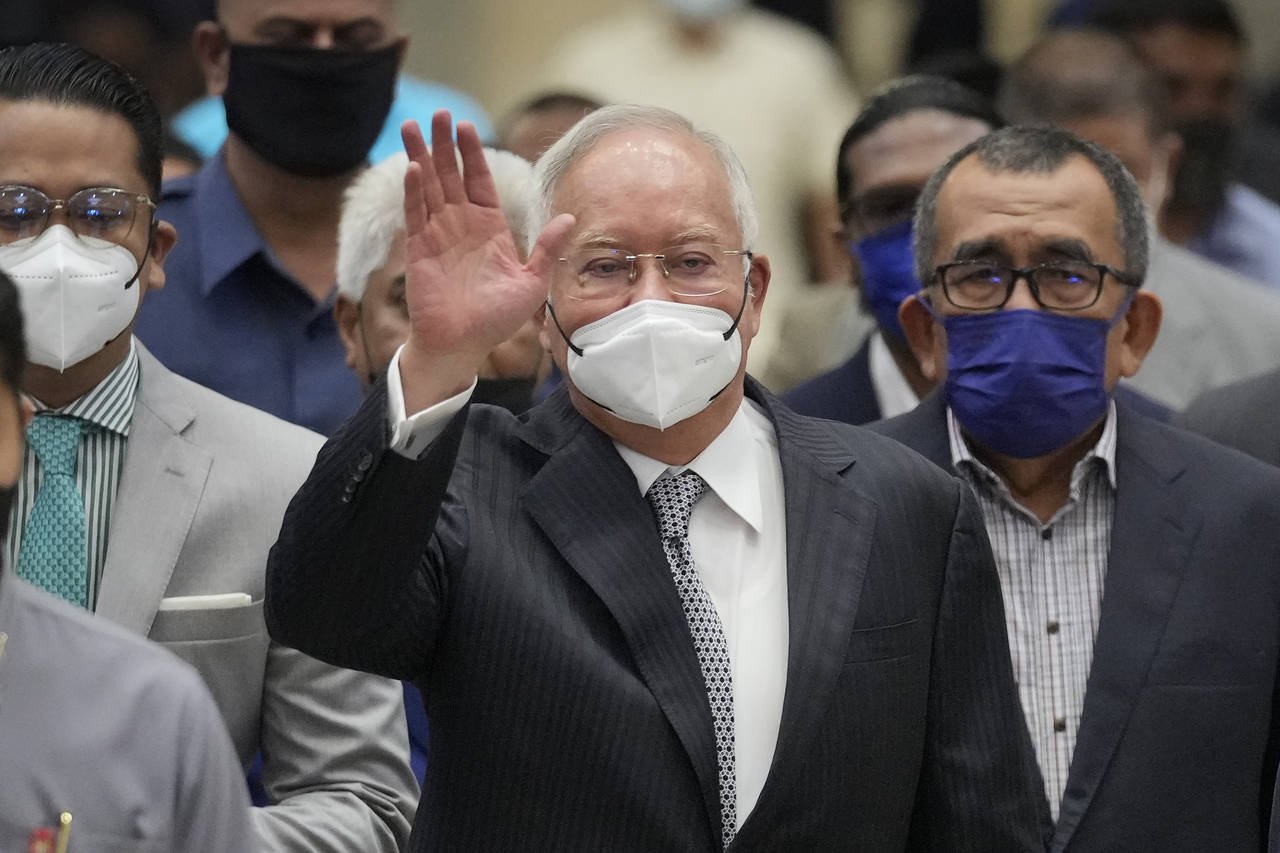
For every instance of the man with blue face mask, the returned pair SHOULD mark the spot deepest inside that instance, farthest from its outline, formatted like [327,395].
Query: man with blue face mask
[907,130]
[1138,562]
[658,611]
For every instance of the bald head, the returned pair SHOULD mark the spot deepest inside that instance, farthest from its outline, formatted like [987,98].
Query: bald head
[1079,75]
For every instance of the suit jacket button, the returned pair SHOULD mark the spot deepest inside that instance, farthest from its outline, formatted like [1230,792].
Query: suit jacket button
[366,462]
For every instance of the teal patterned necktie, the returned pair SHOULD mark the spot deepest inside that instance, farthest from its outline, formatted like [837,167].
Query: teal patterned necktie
[53,555]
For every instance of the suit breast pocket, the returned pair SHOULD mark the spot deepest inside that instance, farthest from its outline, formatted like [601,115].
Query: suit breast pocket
[886,642]
[228,647]
[214,624]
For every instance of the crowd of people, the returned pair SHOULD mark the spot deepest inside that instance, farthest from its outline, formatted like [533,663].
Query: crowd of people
[689,460]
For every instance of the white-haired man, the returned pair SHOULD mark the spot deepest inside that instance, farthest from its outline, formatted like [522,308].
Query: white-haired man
[629,634]
[371,313]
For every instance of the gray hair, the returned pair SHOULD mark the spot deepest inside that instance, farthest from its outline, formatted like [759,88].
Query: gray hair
[595,126]
[373,213]
[1040,151]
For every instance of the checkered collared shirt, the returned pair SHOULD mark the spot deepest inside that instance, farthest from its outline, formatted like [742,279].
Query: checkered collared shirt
[1052,577]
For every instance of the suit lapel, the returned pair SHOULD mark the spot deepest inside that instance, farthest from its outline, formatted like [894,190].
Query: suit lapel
[1151,538]
[160,488]
[829,533]
[586,500]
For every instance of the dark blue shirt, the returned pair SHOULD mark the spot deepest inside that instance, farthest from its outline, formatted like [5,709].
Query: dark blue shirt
[231,318]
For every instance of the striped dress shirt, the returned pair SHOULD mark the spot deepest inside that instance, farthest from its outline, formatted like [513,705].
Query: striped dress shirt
[1052,577]
[108,408]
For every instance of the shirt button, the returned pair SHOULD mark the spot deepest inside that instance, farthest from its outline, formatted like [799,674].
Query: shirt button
[1059,724]
[1052,626]
[1046,534]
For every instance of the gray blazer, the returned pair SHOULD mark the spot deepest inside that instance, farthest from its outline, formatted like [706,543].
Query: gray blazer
[204,487]
[107,727]
[1219,327]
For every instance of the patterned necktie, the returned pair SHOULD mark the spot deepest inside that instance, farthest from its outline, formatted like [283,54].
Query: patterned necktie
[53,553]
[672,499]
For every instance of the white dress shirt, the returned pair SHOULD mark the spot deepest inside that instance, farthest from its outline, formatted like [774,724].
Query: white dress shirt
[893,393]
[738,535]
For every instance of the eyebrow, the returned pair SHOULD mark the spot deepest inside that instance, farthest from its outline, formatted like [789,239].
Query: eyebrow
[1076,250]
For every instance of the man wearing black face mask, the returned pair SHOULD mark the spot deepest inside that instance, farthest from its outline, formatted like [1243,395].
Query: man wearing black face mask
[1142,699]
[306,85]
[1197,49]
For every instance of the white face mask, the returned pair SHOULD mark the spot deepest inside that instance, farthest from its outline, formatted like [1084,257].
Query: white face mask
[655,363]
[76,297]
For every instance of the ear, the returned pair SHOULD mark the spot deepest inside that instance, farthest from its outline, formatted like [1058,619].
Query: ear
[545,331]
[1141,325]
[402,50]
[758,276]
[26,411]
[926,337]
[162,242]
[212,48]
[346,314]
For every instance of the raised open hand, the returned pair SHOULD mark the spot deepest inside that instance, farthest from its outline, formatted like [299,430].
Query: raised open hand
[466,289]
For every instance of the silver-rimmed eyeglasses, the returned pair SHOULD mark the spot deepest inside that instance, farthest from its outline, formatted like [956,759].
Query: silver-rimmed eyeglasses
[690,269]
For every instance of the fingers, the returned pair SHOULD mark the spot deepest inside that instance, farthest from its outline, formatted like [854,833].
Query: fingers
[415,206]
[477,180]
[551,244]
[445,158]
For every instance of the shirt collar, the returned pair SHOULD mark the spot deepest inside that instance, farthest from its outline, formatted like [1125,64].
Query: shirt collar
[962,458]
[894,394]
[228,236]
[730,464]
[110,403]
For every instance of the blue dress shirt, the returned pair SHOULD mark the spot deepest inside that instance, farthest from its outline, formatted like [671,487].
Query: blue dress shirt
[232,319]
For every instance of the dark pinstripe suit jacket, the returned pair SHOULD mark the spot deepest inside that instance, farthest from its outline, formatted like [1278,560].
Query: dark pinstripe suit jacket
[1180,729]
[514,572]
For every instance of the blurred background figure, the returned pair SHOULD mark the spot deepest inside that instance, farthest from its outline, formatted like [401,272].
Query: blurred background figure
[907,130]
[1197,50]
[534,126]
[775,91]
[307,86]
[1218,326]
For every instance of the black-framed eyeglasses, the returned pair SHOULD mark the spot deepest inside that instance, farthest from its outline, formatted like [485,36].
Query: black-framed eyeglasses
[690,269]
[1060,285]
[104,214]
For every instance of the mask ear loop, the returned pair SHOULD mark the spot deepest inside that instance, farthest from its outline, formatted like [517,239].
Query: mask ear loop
[151,237]
[742,307]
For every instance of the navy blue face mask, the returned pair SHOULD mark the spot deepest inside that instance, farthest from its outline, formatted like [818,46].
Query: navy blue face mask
[888,273]
[1025,383]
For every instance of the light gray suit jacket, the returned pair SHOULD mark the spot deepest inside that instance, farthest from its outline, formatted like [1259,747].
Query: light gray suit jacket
[1219,327]
[107,727]
[203,490]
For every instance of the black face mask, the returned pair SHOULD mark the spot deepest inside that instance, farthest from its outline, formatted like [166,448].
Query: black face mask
[311,112]
[1205,171]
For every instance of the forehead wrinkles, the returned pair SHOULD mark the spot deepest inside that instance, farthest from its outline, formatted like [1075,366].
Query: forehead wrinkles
[648,178]
[1072,201]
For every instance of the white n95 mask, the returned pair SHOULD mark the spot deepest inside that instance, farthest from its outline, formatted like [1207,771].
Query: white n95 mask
[76,297]
[655,363]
